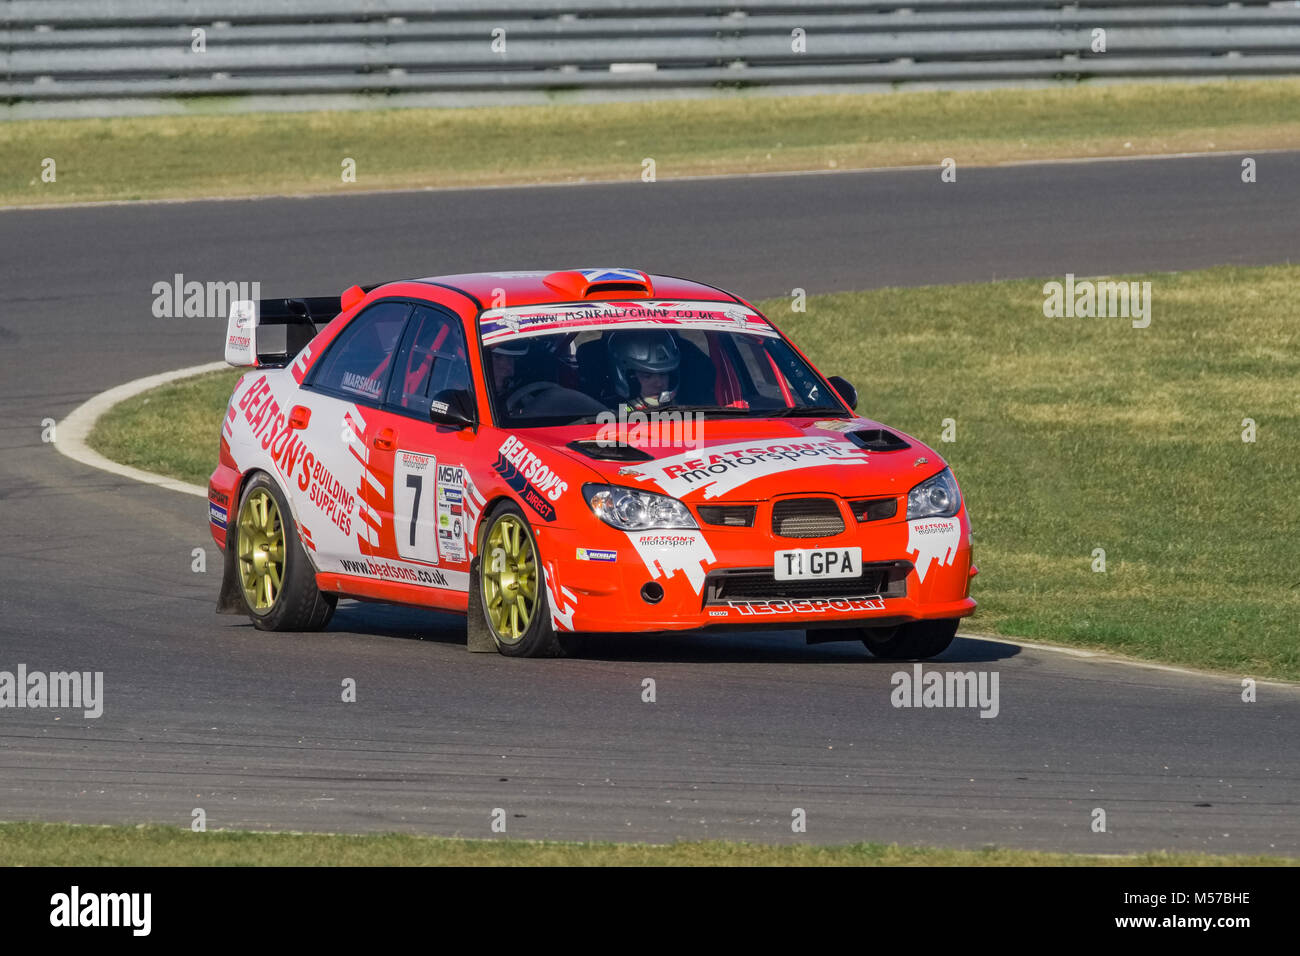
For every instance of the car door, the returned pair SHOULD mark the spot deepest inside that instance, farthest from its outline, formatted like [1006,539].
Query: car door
[340,488]
[428,474]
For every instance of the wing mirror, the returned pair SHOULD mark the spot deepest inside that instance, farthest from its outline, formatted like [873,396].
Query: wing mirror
[452,407]
[846,391]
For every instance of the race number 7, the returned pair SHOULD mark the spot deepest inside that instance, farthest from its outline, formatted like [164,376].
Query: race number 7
[415,524]
[416,482]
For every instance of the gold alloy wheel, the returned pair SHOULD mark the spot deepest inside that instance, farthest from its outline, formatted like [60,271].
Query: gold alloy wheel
[509,569]
[261,550]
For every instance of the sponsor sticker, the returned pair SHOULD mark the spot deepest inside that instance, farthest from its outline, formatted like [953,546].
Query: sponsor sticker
[720,468]
[523,321]
[362,384]
[668,553]
[451,497]
[839,425]
[931,540]
[810,605]
[217,514]
[413,507]
[595,554]
[529,477]
[388,571]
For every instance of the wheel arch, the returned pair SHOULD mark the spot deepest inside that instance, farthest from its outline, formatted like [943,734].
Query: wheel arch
[230,599]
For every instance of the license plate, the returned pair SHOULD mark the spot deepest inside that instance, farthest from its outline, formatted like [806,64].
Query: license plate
[805,564]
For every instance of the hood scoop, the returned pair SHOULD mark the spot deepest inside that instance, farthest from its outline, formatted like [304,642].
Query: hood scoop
[605,451]
[877,439]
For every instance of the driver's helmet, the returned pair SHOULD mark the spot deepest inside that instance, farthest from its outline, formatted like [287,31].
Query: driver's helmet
[644,350]
[515,350]
[513,347]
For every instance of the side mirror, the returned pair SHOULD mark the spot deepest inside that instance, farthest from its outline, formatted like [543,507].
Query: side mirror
[452,407]
[847,391]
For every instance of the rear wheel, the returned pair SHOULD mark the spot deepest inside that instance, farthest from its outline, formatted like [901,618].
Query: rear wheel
[911,641]
[276,579]
[511,589]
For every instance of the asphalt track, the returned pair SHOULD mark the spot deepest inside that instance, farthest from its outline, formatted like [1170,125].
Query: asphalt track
[203,711]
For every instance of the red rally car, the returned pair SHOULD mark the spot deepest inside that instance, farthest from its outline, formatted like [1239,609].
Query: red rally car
[590,450]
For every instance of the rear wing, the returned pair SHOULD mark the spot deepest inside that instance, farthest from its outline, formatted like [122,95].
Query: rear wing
[267,333]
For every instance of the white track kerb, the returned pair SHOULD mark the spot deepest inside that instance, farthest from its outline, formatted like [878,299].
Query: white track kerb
[71,433]
[75,429]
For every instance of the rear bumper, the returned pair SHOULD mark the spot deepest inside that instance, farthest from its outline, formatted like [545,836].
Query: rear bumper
[223,502]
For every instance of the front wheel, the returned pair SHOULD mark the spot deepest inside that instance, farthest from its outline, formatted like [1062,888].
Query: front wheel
[511,587]
[275,577]
[914,640]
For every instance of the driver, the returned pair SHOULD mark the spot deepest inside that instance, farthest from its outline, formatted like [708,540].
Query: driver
[504,359]
[645,363]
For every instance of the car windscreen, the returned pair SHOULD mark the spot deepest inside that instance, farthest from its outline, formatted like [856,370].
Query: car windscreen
[576,375]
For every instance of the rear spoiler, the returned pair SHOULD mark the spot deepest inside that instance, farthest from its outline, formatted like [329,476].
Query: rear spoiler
[268,333]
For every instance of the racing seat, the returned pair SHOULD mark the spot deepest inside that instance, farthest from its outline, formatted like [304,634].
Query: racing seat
[593,370]
[695,375]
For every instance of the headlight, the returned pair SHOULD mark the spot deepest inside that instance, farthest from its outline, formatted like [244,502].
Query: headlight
[630,510]
[936,498]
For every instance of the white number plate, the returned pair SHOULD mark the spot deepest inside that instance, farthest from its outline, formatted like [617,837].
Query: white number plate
[802,564]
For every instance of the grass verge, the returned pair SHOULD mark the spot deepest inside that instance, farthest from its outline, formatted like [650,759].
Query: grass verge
[1071,435]
[286,153]
[57,844]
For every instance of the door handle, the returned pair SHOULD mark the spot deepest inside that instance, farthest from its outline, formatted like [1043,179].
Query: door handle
[386,440]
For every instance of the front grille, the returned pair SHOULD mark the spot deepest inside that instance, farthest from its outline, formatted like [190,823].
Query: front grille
[806,518]
[734,516]
[887,579]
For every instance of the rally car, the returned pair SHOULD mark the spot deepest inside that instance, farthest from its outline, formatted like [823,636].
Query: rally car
[587,450]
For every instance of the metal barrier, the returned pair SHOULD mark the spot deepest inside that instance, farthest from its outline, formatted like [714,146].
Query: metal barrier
[124,51]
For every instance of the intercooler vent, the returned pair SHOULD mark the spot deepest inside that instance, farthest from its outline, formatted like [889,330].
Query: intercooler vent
[731,516]
[878,439]
[609,451]
[874,509]
[806,518]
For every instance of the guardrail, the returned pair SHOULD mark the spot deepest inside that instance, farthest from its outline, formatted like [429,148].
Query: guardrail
[116,52]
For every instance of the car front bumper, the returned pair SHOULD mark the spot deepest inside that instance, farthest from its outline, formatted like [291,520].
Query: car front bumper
[605,580]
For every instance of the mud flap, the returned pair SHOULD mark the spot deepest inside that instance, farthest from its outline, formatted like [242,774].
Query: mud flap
[478,637]
[231,598]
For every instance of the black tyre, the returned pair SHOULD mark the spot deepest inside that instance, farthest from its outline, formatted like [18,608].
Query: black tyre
[276,580]
[915,640]
[510,606]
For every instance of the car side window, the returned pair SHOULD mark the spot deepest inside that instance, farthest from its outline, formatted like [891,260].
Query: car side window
[359,360]
[432,359]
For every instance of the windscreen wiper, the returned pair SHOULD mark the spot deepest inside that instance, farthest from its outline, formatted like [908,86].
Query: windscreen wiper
[808,410]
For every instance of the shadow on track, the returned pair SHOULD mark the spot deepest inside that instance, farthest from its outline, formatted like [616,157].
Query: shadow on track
[768,647]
